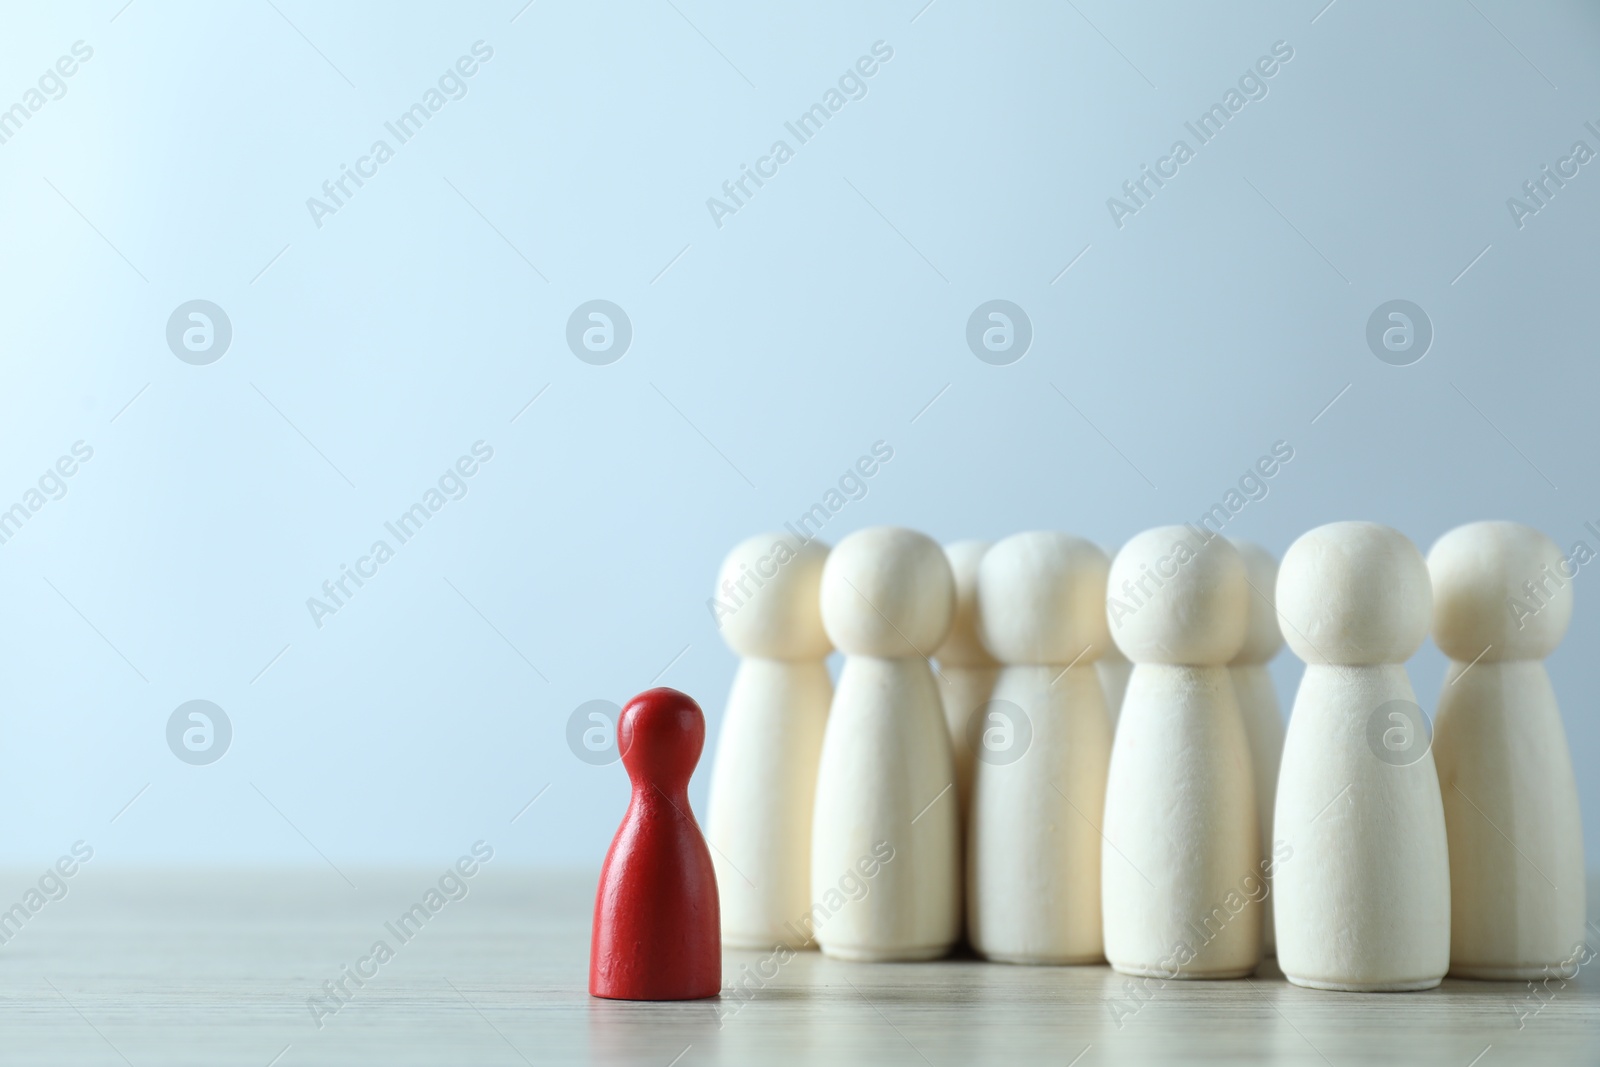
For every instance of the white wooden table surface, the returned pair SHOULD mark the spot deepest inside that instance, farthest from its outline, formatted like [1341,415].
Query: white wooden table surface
[215,968]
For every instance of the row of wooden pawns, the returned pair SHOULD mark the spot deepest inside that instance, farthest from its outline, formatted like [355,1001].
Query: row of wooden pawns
[1139,814]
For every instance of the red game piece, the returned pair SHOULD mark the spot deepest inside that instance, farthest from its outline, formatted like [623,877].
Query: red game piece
[657,922]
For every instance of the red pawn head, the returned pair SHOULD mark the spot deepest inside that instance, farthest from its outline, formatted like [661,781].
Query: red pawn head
[657,925]
[660,734]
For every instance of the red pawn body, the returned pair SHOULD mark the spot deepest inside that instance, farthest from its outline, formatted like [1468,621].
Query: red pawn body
[657,921]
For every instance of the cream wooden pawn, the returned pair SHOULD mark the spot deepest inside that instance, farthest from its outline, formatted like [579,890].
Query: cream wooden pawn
[886,782]
[1180,868]
[1363,879]
[1043,745]
[964,663]
[1258,703]
[764,776]
[1502,599]
[1114,671]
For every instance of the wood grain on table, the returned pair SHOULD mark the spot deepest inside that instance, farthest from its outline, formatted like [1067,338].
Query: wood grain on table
[176,967]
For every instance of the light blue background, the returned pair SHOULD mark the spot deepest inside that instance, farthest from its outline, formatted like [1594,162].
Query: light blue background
[824,316]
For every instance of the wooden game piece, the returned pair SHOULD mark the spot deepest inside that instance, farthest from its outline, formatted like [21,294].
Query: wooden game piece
[964,663]
[656,918]
[1362,886]
[764,777]
[1258,703]
[1180,870]
[1039,781]
[1502,598]
[886,782]
[1114,671]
